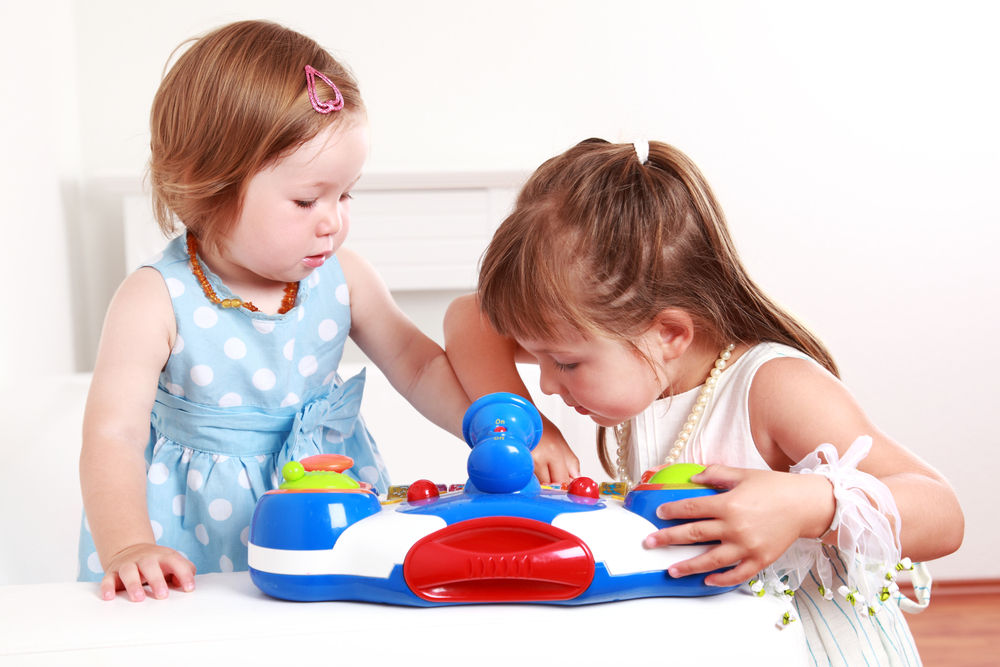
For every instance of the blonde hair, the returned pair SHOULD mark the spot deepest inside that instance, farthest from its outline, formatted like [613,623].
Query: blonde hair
[600,243]
[232,104]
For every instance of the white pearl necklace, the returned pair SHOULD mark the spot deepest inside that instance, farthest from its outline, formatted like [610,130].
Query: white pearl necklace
[622,432]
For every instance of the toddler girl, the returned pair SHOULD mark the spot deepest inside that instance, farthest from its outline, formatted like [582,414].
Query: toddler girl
[617,275]
[218,361]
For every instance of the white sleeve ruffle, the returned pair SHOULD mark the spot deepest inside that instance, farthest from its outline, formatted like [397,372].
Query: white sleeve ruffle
[866,537]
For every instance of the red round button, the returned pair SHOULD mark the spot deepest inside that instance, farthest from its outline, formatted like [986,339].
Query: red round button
[422,489]
[585,487]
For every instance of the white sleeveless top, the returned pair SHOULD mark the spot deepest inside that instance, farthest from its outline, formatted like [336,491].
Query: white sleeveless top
[836,633]
[723,434]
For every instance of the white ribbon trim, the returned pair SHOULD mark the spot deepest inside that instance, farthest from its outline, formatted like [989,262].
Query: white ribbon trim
[866,537]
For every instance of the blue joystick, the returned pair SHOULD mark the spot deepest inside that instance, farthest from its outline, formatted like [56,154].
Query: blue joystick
[502,429]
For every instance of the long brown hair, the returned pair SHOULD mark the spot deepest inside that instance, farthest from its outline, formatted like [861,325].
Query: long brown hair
[232,104]
[601,243]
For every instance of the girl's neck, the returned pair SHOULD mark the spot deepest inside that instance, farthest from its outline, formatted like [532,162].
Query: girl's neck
[690,370]
[264,293]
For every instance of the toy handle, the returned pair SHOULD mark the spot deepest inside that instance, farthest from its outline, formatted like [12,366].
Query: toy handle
[502,415]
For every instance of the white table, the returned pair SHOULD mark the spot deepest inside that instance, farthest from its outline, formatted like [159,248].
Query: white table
[226,620]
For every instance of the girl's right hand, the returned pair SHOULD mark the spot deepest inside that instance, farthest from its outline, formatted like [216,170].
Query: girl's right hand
[555,462]
[147,564]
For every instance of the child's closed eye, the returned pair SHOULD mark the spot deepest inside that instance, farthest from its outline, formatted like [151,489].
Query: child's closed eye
[305,203]
[564,367]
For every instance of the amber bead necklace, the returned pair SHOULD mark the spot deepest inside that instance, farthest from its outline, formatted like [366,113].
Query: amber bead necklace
[287,301]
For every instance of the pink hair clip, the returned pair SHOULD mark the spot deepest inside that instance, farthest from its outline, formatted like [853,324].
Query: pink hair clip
[335,104]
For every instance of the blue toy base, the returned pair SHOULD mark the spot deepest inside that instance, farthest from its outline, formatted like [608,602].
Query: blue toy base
[501,539]
[605,588]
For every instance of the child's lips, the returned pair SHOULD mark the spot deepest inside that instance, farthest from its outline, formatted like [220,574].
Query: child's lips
[314,261]
[582,410]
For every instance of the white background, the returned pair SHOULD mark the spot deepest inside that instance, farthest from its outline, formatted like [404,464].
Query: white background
[853,146]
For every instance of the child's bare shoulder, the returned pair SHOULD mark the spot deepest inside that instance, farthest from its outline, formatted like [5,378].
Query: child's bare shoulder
[798,404]
[141,309]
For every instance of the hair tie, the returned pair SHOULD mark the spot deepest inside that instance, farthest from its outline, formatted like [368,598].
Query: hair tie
[336,104]
[642,150]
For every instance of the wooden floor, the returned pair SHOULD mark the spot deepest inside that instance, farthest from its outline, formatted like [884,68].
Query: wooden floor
[961,627]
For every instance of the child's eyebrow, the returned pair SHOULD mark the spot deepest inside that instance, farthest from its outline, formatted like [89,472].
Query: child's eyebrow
[320,183]
[547,350]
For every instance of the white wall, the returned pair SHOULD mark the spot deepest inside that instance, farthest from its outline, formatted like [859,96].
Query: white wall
[854,147]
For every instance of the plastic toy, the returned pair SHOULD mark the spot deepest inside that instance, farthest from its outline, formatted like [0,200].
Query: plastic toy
[502,538]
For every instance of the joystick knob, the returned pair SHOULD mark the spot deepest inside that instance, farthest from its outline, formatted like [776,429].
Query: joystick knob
[502,429]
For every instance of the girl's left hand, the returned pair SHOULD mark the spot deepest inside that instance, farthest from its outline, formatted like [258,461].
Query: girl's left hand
[756,520]
[555,462]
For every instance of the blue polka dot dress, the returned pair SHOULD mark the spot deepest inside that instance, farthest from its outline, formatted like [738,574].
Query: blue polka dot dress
[242,394]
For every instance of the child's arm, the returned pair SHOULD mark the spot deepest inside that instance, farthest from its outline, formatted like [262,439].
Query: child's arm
[794,407]
[485,362]
[415,365]
[138,335]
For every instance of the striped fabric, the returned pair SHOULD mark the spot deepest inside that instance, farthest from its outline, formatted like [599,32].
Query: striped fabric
[838,634]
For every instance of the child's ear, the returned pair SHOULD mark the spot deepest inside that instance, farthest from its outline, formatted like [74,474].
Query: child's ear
[673,331]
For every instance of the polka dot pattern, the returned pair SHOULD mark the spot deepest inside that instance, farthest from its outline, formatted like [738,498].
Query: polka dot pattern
[220,354]
[205,317]
[94,563]
[264,379]
[263,326]
[235,348]
[202,375]
[308,365]
[158,473]
[157,530]
[233,362]
[174,287]
[327,330]
[220,509]
[230,400]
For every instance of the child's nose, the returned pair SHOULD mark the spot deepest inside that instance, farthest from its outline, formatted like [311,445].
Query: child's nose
[329,224]
[548,383]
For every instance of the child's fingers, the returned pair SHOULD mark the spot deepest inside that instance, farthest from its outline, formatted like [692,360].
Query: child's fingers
[695,532]
[109,584]
[132,582]
[151,572]
[721,556]
[745,571]
[720,476]
[705,530]
[542,472]
[182,570]
[704,507]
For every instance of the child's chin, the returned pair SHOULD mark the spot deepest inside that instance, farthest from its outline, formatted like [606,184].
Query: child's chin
[601,420]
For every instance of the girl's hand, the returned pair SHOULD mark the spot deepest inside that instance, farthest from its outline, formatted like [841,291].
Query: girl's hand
[147,564]
[555,462]
[756,521]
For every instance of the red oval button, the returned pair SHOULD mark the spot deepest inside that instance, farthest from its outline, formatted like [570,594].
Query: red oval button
[499,559]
